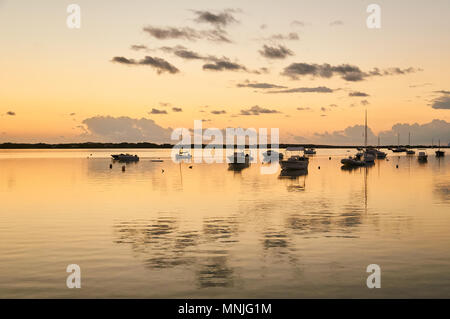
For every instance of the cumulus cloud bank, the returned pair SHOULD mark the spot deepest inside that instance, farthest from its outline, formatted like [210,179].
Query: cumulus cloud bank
[420,134]
[124,129]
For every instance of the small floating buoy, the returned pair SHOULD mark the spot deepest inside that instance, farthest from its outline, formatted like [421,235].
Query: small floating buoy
[162,171]
[329,158]
[110,165]
[190,167]
[123,168]
[319,167]
[396,166]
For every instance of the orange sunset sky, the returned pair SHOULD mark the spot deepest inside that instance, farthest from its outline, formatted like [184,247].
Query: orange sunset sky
[135,69]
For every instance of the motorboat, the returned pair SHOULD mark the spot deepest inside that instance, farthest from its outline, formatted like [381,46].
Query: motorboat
[376,153]
[422,157]
[352,162]
[295,162]
[125,157]
[368,157]
[239,158]
[238,161]
[399,149]
[269,155]
[310,151]
[183,155]
[380,154]
[410,152]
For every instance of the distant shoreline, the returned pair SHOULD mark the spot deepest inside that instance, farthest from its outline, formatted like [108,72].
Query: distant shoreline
[91,145]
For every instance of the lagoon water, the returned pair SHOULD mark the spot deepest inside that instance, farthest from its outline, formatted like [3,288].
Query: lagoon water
[208,232]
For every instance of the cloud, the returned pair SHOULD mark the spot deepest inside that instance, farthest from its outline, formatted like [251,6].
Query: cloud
[336,22]
[159,64]
[124,129]
[358,94]
[123,60]
[420,85]
[292,36]
[365,102]
[303,108]
[319,89]
[156,111]
[221,19]
[11,113]
[188,55]
[224,64]
[297,23]
[138,47]
[177,109]
[442,102]
[72,114]
[218,112]
[442,92]
[257,85]
[280,52]
[347,72]
[186,33]
[257,110]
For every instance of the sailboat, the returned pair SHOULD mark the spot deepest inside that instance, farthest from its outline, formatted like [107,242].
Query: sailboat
[440,153]
[398,149]
[376,151]
[410,151]
[368,155]
[361,158]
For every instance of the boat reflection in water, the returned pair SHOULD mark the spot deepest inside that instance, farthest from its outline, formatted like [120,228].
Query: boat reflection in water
[295,184]
[292,173]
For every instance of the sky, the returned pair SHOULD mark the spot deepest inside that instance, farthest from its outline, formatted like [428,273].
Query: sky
[135,70]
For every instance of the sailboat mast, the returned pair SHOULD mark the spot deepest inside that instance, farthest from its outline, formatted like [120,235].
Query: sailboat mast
[409,139]
[365,132]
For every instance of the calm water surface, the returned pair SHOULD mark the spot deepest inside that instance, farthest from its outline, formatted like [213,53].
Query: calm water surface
[210,232]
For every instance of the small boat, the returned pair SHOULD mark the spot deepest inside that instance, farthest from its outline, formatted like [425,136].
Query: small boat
[368,157]
[409,151]
[239,161]
[239,158]
[125,157]
[269,155]
[380,154]
[295,162]
[422,157]
[376,153]
[183,155]
[440,153]
[310,151]
[352,162]
[399,149]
